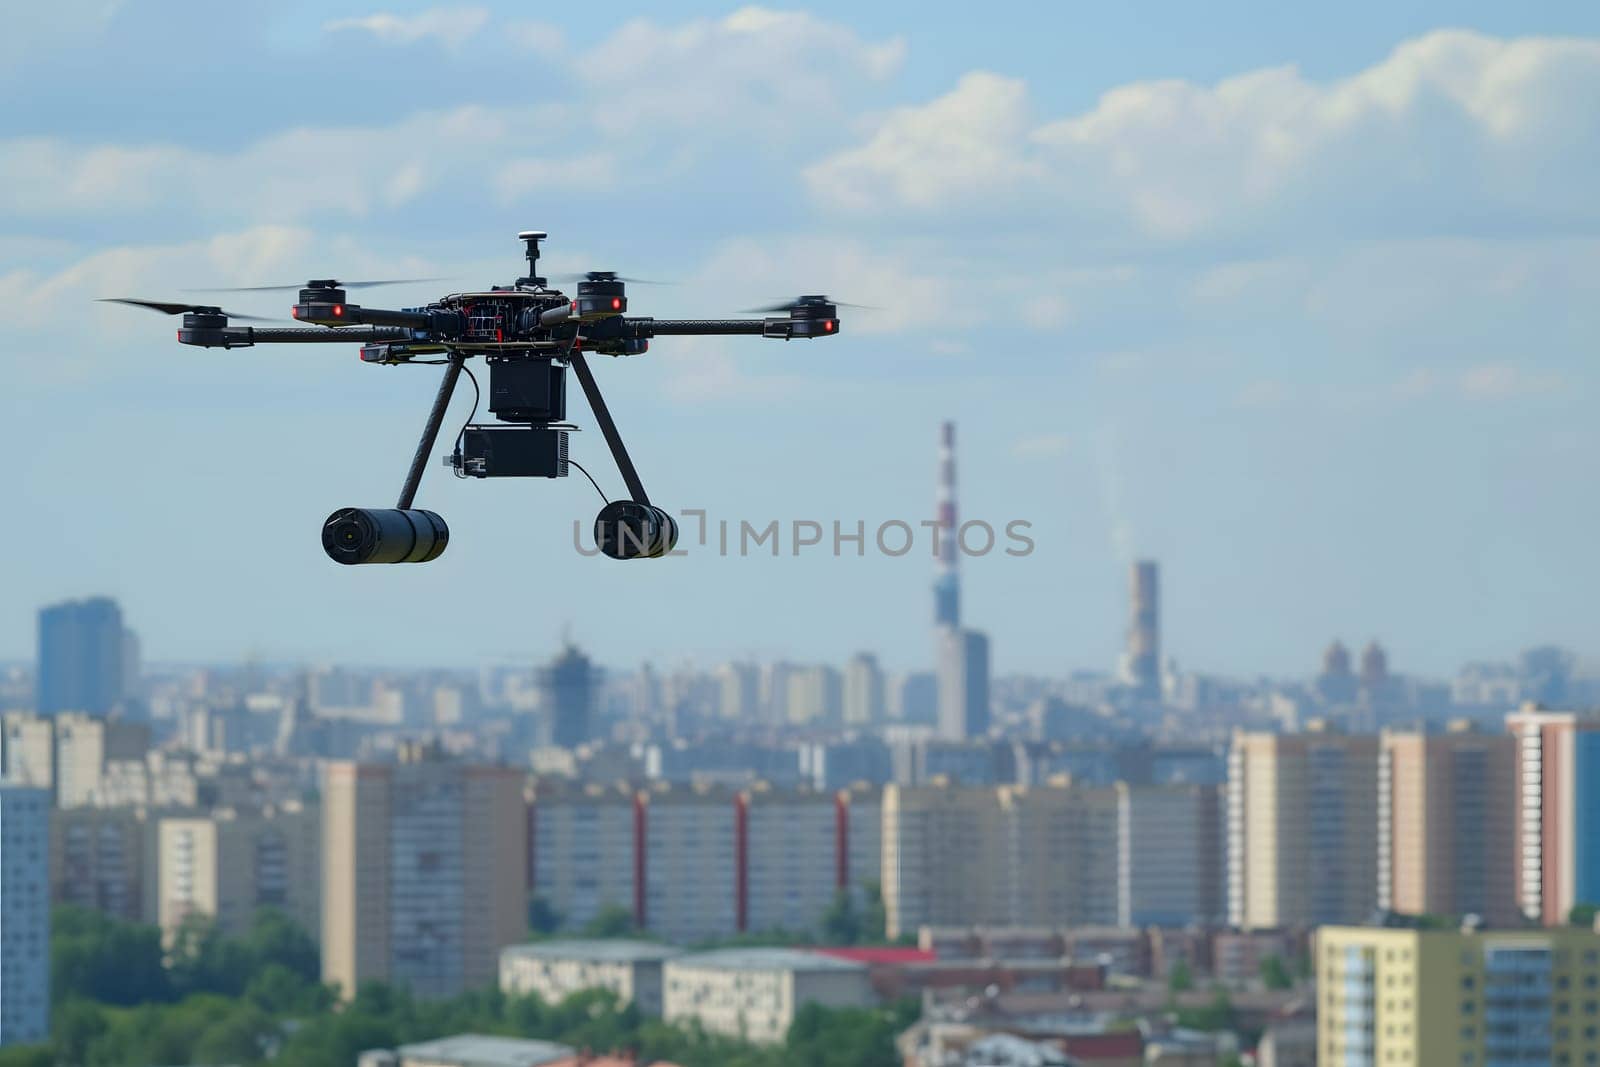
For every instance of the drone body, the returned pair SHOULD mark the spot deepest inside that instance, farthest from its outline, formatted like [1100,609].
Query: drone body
[530,335]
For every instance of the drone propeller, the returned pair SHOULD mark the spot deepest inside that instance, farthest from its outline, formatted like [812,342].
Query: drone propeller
[330,284]
[806,301]
[179,309]
[605,276]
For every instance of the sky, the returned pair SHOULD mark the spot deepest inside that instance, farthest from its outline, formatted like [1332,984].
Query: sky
[1305,304]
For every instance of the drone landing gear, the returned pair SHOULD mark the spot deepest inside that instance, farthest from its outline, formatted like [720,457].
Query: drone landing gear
[624,529]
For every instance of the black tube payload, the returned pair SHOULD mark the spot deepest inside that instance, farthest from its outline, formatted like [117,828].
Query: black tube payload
[384,535]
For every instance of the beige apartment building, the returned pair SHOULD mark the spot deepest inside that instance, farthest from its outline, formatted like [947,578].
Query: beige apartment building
[1008,855]
[1446,821]
[424,872]
[1302,821]
[230,863]
[105,859]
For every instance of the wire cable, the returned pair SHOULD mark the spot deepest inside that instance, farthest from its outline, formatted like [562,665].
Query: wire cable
[592,482]
[477,395]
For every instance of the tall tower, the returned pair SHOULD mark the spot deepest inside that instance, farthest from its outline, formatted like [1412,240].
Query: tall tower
[567,695]
[946,583]
[1142,666]
[82,645]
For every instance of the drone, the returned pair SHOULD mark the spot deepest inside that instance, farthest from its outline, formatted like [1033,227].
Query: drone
[529,334]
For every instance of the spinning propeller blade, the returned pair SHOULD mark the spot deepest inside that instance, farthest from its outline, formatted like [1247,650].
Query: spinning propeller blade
[302,285]
[179,309]
[805,301]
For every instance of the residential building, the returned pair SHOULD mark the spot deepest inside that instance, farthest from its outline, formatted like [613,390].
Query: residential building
[230,863]
[424,872]
[86,747]
[82,645]
[1557,830]
[957,855]
[1169,855]
[582,849]
[1470,996]
[30,750]
[1446,823]
[863,690]
[105,859]
[24,915]
[1302,822]
[554,970]
[753,993]
[472,1050]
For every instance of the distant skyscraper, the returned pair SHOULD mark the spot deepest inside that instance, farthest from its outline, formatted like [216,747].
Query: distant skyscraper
[1558,811]
[24,915]
[82,651]
[1337,683]
[863,690]
[567,697]
[1142,665]
[963,684]
[740,694]
[424,873]
[914,698]
[947,585]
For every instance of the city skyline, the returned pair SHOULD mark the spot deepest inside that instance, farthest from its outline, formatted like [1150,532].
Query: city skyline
[1345,404]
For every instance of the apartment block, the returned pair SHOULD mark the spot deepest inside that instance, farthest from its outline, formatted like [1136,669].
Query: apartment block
[1009,855]
[105,859]
[1169,855]
[230,863]
[1446,823]
[424,872]
[24,915]
[1557,806]
[1302,823]
[1425,997]
[583,858]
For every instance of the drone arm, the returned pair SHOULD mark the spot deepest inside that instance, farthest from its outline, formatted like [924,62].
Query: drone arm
[430,430]
[608,428]
[245,336]
[644,328]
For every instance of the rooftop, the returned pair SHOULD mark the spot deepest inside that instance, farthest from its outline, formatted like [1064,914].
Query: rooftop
[479,1050]
[766,959]
[618,951]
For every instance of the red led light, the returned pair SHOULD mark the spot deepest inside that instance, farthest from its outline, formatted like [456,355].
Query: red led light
[294,312]
[616,303]
[827,325]
[338,311]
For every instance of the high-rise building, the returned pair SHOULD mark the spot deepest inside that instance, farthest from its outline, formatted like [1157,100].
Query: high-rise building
[1337,683]
[963,684]
[1169,855]
[1142,660]
[815,695]
[1446,823]
[567,698]
[863,690]
[1302,822]
[30,750]
[914,698]
[86,747]
[1474,996]
[424,873]
[1021,856]
[741,691]
[947,582]
[1557,849]
[82,647]
[104,859]
[231,863]
[24,915]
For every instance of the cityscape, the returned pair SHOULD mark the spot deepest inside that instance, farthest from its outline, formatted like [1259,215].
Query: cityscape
[1117,866]
[813,534]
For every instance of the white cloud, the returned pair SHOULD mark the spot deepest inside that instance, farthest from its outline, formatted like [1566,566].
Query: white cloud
[1452,131]
[450,26]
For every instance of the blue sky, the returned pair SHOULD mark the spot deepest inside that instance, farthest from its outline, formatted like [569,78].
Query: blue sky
[1302,304]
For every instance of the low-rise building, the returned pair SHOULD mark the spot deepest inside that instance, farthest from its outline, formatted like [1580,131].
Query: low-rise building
[554,970]
[471,1050]
[754,993]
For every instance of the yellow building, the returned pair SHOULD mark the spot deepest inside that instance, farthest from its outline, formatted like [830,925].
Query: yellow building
[1436,997]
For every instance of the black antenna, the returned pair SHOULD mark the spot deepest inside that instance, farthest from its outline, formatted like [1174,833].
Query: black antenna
[532,238]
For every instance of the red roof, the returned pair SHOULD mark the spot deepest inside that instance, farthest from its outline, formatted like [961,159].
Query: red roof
[879,956]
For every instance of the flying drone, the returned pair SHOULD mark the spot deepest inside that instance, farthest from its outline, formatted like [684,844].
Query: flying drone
[529,334]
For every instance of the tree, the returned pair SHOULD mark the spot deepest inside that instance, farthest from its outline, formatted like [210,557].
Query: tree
[1180,979]
[875,921]
[98,958]
[1582,914]
[542,918]
[611,921]
[1274,975]
[840,923]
